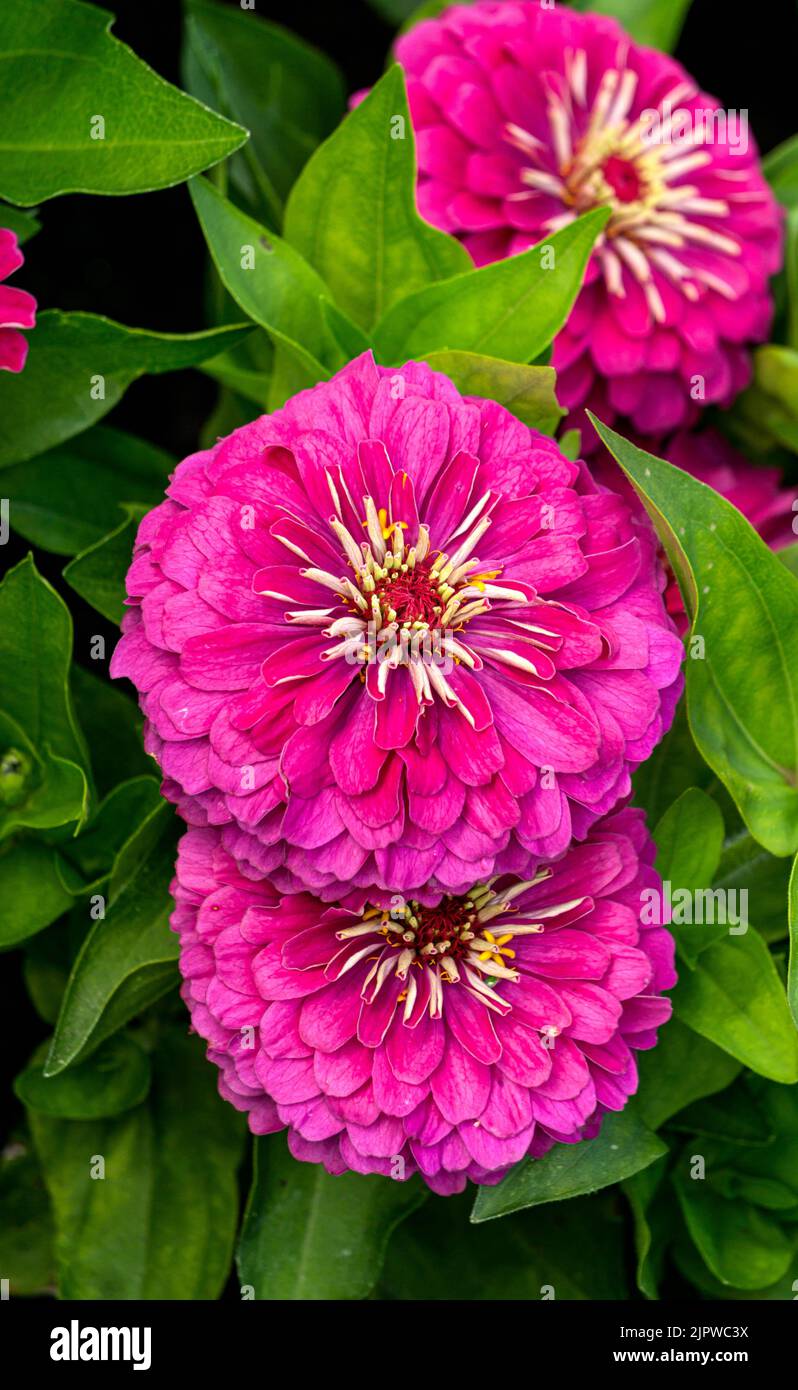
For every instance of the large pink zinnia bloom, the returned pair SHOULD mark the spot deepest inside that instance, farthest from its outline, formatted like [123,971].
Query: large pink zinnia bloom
[17,307]
[451,1040]
[390,638]
[526,117]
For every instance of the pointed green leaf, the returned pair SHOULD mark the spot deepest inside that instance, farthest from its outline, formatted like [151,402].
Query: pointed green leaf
[529,392]
[352,212]
[511,309]
[61,70]
[623,1147]
[744,604]
[307,1235]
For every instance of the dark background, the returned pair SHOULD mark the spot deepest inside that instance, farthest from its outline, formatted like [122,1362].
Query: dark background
[141,259]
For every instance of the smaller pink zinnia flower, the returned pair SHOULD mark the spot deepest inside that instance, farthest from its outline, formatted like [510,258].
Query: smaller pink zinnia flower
[451,1040]
[527,115]
[17,307]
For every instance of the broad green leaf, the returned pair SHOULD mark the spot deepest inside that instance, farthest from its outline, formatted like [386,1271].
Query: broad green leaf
[352,212]
[114,1079]
[252,385]
[692,1267]
[529,392]
[141,843]
[746,866]
[742,680]
[114,722]
[35,652]
[738,1242]
[127,961]
[689,839]
[682,1068]
[33,892]
[623,1147]
[307,1235]
[780,167]
[161,1222]
[62,72]
[288,94]
[38,791]
[655,23]
[648,1198]
[575,1249]
[69,498]
[735,998]
[511,309]
[792,973]
[91,857]
[731,1115]
[79,366]
[23,224]
[267,278]
[48,960]
[26,1225]
[98,574]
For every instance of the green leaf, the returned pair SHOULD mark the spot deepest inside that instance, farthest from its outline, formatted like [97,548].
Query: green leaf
[575,1249]
[743,713]
[745,865]
[95,852]
[307,1235]
[352,212]
[674,767]
[160,1224]
[655,23]
[98,574]
[115,724]
[682,1068]
[26,1226]
[127,961]
[33,892]
[689,839]
[650,1210]
[738,1242]
[780,167]
[152,134]
[69,498]
[267,278]
[287,94]
[113,1080]
[23,224]
[37,791]
[35,652]
[735,998]
[792,972]
[732,1116]
[623,1147]
[511,309]
[80,365]
[527,391]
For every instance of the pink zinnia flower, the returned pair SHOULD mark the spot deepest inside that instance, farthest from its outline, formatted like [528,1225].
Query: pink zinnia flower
[451,1040]
[527,116]
[17,307]
[391,638]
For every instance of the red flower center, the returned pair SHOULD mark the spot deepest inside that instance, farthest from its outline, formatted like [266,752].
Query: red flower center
[623,178]
[411,597]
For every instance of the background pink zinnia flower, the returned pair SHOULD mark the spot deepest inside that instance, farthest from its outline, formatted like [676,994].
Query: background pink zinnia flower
[17,307]
[526,117]
[451,1040]
[391,638]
